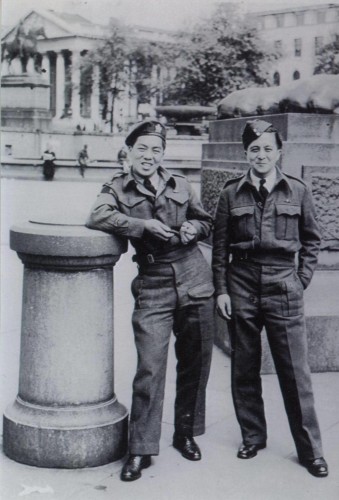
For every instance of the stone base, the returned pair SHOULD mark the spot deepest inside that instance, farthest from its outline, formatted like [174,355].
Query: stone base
[25,102]
[65,437]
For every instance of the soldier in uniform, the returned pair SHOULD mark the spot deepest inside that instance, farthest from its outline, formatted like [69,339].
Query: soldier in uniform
[163,219]
[264,219]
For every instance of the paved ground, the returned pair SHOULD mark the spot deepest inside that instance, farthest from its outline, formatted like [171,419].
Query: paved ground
[273,475]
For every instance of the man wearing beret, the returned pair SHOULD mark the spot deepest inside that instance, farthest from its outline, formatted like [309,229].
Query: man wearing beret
[163,219]
[264,220]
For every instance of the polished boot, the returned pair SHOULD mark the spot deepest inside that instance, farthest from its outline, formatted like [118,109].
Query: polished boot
[187,447]
[249,450]
[317,467]
[133,467]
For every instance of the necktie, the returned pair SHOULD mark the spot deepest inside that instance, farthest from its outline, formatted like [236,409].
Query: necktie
[262,190]
[148,185]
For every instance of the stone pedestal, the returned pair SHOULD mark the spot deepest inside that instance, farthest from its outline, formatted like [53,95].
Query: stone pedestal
[310,151]
[66,414]
[25,102]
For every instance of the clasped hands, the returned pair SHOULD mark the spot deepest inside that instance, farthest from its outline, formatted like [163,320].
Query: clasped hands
[187,231]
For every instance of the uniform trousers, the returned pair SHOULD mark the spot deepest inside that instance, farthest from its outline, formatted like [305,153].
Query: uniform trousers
[170,297]
[271,297]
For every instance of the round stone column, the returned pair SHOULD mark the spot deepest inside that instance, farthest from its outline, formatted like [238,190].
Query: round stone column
[66,413]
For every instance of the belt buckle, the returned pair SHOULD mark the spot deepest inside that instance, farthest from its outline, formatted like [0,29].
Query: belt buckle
[150,258]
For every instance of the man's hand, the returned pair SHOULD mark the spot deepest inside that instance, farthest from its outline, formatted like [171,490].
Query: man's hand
[187,233]
[224,306]
[158,229]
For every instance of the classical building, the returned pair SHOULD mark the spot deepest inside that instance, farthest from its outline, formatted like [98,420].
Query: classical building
[299,34]
[62,39]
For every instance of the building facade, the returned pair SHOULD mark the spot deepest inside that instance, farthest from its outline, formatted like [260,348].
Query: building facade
[62,41]
[298,34]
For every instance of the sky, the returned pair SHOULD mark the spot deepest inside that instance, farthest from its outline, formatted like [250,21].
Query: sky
[166,14]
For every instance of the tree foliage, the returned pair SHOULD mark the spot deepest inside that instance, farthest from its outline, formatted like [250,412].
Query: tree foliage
[125,62]
[221,54]
[328,60]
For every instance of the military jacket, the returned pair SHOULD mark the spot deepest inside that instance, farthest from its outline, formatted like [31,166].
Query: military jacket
[124,205]
[285,224]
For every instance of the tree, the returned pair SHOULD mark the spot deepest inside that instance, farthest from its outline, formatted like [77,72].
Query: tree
[126,62]
[220,55]
[328,60]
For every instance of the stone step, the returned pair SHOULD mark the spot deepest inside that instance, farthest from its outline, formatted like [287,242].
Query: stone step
[302,127]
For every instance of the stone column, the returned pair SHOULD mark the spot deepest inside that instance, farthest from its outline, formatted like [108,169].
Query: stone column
[60,85]
[95,105]
[76,61]
[30,67]
[154,84]
[66,414]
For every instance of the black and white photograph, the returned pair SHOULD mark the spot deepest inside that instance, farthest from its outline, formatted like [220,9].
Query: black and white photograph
[169,250]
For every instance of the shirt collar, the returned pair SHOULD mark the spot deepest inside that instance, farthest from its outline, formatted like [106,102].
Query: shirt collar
[280,177]
[270,179]
[163,173]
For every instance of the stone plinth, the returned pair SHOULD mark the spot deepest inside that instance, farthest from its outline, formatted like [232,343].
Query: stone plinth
[25,102]
[310,151]
[66,413]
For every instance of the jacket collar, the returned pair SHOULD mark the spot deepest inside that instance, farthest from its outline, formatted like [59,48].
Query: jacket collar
[281,178]
[164,174]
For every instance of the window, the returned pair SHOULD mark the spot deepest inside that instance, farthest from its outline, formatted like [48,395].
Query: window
[297,47]
[296,75]
[321,16]
[276,79]
[278,45]
[300,18]
[318,44]
[280,20]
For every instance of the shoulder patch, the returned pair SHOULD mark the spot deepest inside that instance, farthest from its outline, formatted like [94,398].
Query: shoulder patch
[106,189]
[296,179]
[233,181]
[117,174]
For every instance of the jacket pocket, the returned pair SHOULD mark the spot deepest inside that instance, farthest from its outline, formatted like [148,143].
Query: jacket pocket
[202,291]
[243,223]
[287,222]
[131,205]
[177,204]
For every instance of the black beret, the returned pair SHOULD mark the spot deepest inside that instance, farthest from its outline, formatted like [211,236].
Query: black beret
[253,130]
[146,127]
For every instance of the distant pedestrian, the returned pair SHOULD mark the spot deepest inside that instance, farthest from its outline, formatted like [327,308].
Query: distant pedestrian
[123,159]
[48,166]
[83,160]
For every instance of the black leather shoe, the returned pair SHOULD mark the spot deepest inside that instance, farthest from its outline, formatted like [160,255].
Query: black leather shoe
[187,446]
[317,467]
[133,467]
[249,450]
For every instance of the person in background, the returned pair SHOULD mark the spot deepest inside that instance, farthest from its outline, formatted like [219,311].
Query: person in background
[263,220]
[162,217]
[48,167]
[83,160]
[122,158]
